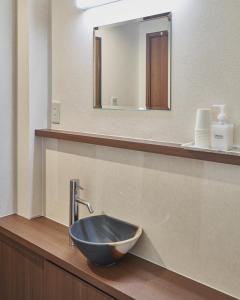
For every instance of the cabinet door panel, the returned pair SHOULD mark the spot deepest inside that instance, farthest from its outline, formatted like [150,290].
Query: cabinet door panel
[61,285]
[21,273]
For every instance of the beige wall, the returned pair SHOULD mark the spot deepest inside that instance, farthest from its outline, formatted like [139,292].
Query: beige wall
[189,210]
[33,26]
[7,107]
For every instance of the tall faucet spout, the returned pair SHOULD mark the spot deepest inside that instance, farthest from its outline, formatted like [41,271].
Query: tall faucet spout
[75,200]
[87,204]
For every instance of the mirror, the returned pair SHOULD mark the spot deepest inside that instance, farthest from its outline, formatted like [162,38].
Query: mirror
[132,64]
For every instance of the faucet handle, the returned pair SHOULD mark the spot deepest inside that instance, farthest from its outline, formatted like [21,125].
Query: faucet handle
[75,184]
[79,187]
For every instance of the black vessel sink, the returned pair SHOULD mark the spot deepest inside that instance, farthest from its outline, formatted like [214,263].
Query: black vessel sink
[104,240]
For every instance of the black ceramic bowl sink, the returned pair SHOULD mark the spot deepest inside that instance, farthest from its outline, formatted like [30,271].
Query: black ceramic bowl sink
[104,240]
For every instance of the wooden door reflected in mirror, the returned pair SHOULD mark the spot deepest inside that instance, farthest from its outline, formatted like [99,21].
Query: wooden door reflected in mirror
[98,72]
[132,64]
[157,70]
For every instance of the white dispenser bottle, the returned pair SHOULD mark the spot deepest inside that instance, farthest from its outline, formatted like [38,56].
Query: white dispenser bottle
[222,131]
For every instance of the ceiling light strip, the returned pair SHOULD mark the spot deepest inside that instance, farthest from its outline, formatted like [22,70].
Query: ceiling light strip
[86,4]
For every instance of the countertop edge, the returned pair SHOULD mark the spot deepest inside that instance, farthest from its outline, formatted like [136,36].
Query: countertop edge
[107,289]
[158,273]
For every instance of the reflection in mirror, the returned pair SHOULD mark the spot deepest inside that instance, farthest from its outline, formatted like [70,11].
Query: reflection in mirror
[132,64]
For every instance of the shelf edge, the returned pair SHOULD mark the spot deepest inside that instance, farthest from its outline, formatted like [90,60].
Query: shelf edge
[170,149]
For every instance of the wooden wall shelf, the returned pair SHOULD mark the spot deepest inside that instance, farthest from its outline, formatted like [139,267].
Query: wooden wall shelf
[170,149]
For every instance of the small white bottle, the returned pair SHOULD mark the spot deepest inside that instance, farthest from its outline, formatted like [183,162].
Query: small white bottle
[222,132]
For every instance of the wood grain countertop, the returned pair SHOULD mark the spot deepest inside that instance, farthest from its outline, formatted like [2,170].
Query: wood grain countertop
[132,278]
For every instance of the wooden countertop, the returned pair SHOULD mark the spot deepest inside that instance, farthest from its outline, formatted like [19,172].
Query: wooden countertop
[132,278]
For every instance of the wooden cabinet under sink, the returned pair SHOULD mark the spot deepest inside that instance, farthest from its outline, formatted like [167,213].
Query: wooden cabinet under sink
[27,276]
[21,273]
[61,285]
[37,263]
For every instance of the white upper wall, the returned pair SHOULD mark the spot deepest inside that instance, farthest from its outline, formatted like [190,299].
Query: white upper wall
[205,65]
[7,107]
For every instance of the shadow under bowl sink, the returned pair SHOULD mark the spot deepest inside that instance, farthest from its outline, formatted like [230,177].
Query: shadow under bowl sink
[104,240]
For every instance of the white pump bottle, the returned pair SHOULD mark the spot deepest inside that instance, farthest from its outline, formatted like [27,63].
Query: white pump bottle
[222,131]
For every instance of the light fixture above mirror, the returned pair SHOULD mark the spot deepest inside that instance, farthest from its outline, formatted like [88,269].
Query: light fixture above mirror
[86,4]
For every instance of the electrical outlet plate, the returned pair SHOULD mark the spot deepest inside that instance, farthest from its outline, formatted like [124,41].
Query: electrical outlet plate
[56,109]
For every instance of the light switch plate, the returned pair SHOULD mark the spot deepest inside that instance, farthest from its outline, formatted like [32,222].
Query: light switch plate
[56,112]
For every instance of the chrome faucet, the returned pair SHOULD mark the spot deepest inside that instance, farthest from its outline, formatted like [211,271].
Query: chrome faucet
[75,200]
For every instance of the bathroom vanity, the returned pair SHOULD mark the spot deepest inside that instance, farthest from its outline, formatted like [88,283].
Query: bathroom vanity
[37,262]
